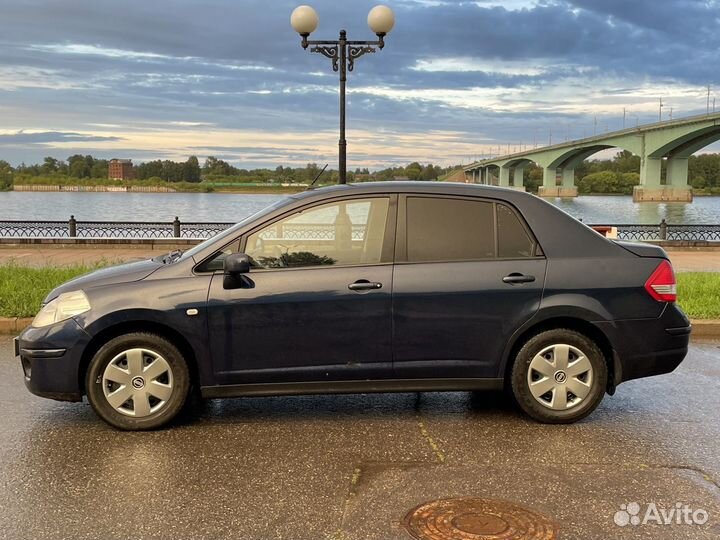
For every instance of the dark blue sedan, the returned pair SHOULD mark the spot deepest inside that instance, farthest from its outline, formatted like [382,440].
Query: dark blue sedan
[382,287]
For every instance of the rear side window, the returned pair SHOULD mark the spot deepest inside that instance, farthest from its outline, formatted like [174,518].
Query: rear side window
[449,230]
[513,240]
[440,229]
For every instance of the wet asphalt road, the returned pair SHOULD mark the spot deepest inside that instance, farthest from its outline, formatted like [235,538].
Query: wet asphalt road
[350,467]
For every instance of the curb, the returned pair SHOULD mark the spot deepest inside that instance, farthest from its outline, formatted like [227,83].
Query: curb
[702,328]
[705,329]
[14,325]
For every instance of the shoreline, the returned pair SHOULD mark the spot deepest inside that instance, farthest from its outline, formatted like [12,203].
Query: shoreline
[259,190]
[234,190]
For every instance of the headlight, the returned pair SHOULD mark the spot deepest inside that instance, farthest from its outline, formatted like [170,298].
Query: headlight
[61,308]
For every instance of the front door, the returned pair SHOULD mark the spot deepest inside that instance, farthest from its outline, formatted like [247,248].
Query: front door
[468,274]
[316,305]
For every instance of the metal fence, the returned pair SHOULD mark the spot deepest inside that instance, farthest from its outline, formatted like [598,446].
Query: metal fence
[199,231]
[665,231]
[101,229]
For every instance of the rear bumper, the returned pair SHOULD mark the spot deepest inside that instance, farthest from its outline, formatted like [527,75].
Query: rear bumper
[51,358]
[647,347]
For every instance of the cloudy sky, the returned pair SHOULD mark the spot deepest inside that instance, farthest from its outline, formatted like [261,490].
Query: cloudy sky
[457,80]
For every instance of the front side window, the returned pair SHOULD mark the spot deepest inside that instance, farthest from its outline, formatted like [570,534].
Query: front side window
[449,229]
[343,233]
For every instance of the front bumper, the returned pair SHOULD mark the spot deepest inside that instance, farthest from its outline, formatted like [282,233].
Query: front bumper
[51,359]
[647,347]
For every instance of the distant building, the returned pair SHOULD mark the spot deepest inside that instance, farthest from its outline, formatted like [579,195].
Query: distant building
[120,169]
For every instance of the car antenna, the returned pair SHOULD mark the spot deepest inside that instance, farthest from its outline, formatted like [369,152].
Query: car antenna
[316,178]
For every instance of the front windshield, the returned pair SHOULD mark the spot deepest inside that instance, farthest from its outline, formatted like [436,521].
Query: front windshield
[228,233]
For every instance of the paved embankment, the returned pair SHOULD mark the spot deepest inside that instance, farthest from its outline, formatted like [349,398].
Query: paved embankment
[68,256]
[41,255]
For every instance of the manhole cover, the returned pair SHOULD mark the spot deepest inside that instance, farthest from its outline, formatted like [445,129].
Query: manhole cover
[469,518]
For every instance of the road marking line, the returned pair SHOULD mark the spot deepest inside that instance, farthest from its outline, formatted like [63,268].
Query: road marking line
[435,447]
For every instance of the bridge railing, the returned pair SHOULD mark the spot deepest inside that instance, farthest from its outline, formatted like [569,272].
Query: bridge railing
[73,229]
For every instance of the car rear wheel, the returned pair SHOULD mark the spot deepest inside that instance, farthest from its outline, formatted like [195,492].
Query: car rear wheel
[138,381]
[559,376]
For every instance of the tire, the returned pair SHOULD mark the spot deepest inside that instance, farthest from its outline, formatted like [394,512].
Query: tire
[540,365]
[145,369]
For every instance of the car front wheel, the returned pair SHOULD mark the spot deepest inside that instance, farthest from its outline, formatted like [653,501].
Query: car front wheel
[559,376]
[137,381]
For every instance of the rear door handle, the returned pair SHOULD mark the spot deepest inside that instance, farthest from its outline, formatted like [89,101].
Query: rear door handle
[364,285]
[516,277]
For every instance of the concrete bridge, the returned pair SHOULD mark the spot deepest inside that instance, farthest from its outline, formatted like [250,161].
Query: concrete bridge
[672,141]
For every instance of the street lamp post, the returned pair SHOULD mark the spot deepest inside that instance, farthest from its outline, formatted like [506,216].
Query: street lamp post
[342,53]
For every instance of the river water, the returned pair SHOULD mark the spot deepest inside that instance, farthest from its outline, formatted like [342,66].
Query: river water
[201,207]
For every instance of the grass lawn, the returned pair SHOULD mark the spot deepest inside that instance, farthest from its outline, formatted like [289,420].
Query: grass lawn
[22,289]
[699,294]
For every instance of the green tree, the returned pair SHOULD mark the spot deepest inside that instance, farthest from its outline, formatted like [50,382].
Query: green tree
[50,166]
[698,182]
[99,168]
[6,175]
[414,171]
[191,170]
[78,166]
[150,169]
[312,170]
[428,172]
[628,181]
[626,162]
[217,167]
[532,178]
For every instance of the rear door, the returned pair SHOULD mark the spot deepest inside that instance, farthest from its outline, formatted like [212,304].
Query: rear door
[468,273]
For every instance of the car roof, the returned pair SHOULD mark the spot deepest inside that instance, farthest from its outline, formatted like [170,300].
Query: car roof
[450,188]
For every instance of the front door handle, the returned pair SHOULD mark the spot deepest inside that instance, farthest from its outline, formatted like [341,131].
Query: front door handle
[516,277]
[364,285]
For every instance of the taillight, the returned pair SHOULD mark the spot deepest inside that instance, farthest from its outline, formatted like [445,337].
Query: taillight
[661,285]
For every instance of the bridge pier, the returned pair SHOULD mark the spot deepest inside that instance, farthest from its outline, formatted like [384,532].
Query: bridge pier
[489,178]
[676,188]
[504,180]
[677,172]
[550,187]
[518,178]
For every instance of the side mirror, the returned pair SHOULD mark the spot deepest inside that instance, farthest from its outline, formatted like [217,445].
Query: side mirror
[236,263]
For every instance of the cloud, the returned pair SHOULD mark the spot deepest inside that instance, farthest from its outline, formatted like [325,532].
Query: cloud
[161,78]
[45,137]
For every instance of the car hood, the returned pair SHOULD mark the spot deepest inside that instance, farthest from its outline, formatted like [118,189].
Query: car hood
[123,273]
